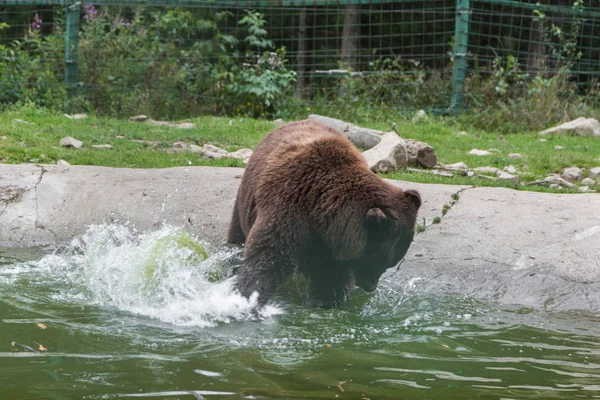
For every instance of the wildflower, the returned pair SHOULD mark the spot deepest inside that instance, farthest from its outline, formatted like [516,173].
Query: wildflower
[37,22]
[90,12]
[538,100]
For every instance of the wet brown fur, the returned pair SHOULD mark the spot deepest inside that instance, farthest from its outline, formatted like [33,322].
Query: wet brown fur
[309,203]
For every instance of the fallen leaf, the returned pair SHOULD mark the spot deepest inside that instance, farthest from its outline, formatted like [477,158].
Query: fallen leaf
[41,325]
[42,348]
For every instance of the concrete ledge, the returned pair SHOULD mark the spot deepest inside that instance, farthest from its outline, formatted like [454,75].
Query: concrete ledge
[532,249]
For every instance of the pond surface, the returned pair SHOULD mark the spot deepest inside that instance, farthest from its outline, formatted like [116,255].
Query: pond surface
[117,314]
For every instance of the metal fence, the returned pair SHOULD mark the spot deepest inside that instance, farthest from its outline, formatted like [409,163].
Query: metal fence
[330,41]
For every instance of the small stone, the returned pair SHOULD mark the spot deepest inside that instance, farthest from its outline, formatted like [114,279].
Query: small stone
[559,147]
[420,115]
[487,170]
[120,137]
[554,186]
[588,182]
[542,140]
[214,149]
[20,121]
[180,145]
[230,122]
[594,173]
[459,166]
[515,156]
[138,118]
[510,169]
[556,179]
[572,174]
[494,150]
[62,162]
[3,138]
[241,154]
[68,141]
[443,173]
[477,152]
[462,133]
[470,174]
[585,189]
[501,138]
[212,155]
[76,116]
[508,177]
[278,121]
[102,146]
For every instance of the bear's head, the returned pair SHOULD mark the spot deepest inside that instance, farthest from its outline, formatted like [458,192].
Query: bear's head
[389,231]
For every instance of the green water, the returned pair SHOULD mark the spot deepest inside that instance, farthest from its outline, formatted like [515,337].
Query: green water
[112,334]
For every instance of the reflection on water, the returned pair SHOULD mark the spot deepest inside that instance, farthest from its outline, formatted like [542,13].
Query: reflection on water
[119,314]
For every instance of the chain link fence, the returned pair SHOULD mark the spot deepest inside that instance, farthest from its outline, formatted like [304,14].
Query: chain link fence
[263,58]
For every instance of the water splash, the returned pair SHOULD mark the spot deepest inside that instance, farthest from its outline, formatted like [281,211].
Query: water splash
[162,274]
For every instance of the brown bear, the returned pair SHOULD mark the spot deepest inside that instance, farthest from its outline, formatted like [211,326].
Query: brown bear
[309,203]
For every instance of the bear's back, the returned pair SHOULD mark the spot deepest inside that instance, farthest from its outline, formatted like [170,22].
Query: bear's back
[303,147]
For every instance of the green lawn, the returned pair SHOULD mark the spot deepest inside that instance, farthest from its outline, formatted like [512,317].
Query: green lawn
[38,142]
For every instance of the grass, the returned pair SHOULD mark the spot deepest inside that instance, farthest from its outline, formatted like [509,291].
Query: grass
[38,142]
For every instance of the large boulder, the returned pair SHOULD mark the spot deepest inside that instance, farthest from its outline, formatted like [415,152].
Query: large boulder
[578,127]
[420,154]
[389,154]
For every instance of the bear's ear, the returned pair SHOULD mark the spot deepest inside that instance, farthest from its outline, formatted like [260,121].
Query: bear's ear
[414,197]
[375,216]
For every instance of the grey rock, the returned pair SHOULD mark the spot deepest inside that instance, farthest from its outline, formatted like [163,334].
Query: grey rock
[362,138]
[543,140]
[139,118]
[477,152]
[214,149]
[487,170]
[180,145]
[515,156]
[594,173]
[559,147]
[70,142]
[102,146]
[588,182]
[510,169]
[578,127]
[459,166]
[505,176]
[278,121]
[180,125]
[572,174]
[462,133]
[388,155]
[419,116]
[76,116]
[194,148]
[241,154]
[585,189]
[420,154]
[62,162]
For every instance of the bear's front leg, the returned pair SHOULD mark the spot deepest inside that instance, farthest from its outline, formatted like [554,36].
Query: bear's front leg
[330,285]
[267,262]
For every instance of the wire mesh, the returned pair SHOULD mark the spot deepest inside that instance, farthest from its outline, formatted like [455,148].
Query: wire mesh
[395,53]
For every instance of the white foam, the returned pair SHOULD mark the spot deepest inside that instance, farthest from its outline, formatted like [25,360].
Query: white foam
[112,266]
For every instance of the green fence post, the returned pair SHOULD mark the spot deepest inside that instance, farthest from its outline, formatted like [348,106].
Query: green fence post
[461,43]
[71,44]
